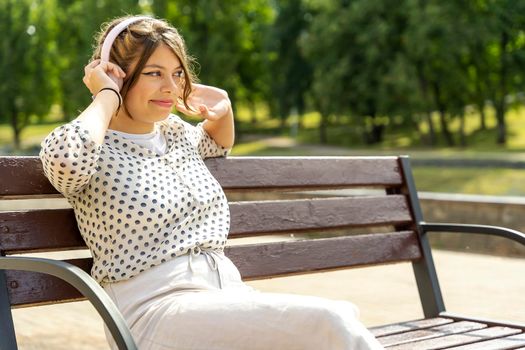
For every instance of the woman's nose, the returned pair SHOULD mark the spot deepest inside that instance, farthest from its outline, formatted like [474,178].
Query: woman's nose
[170,84]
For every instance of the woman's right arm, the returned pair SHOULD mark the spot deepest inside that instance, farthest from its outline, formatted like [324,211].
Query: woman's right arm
[70,153]
[97,116]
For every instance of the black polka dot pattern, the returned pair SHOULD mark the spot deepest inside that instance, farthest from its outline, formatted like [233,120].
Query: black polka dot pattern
[134,208]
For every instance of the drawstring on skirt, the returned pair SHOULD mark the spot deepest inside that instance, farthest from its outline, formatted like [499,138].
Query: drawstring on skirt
[211,255]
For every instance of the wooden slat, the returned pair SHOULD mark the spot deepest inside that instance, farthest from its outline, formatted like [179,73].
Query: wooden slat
[284,258]
[305,172]
[254,261]
[401,327]
[311,214]
[458,339]
[24,176]
[50,229]
[32,288]
[512,342]
[33,230]
[433,332]
[489,322]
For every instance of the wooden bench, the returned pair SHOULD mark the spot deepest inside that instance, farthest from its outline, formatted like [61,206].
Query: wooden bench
[382,228]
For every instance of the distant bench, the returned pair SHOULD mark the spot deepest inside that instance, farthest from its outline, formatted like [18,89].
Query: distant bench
[391,219]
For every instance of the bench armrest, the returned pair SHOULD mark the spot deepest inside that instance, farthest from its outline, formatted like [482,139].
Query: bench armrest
[85,285]
[476,229]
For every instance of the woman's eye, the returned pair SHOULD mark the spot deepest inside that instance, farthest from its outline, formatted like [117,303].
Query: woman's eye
[152,74]
[179,74]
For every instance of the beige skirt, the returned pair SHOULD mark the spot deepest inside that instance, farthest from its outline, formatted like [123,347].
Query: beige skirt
[199,302]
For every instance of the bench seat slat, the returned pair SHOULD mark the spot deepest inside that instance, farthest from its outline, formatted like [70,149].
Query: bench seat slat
[257,261]
[510,342]
[34,230]
[433,332]
[459,339]
[24,175]
[380,331]
[254,261]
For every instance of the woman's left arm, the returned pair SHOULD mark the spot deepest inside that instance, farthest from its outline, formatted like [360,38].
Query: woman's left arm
[222,130]
[213,105]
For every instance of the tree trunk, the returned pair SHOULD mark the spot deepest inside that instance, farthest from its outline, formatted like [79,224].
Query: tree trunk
[15,125]
[300,112]
[378,132]
[500,103]
[501,136]
[462,136]
[482,116]
[323,137]
[423,85]
[431,129]
[375,134]
[253,111]
[444,128]
[442,115]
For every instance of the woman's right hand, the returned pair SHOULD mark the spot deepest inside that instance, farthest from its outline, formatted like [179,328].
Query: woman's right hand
[98,75]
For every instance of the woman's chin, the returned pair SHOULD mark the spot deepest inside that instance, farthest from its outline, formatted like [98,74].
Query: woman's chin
[161,117]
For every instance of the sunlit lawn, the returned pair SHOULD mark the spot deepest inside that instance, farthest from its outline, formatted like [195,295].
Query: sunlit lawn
[348,133]
[487,181]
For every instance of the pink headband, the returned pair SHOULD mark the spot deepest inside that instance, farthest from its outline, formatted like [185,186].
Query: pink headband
[112,35]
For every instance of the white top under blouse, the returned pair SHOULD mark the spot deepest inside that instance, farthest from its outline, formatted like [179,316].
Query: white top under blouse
[154,141]
[135,207]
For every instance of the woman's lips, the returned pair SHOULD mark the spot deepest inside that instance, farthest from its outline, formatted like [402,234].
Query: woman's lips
[163,103]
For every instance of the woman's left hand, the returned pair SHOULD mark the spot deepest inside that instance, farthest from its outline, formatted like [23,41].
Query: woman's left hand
[207,102]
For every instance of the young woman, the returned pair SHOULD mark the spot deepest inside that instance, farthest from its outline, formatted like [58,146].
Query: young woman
[155,219]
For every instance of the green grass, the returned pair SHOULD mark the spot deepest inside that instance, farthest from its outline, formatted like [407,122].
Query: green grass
[346,132]
[497,182]
[29,134]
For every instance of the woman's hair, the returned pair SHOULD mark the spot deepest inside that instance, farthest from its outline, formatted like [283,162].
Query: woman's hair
[136,44]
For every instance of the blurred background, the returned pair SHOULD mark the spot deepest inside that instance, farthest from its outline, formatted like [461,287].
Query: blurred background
[440,80]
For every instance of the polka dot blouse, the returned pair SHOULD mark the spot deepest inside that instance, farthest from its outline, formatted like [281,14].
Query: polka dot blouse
[136,209]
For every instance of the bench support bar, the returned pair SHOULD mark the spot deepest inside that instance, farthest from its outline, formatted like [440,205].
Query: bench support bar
[84,284]
[424,269]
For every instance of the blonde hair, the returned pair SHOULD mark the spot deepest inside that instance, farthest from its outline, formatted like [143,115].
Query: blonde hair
[136,44]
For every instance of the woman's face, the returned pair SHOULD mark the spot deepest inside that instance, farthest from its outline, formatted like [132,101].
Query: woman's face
[159,84]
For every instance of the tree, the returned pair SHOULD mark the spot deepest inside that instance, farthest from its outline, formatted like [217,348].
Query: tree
[225,37]
[28,80]
[507,56]
[353,47]
[291,72]
[75,44]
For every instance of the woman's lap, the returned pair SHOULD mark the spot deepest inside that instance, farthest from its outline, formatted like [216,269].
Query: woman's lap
[250,320]
[194,313]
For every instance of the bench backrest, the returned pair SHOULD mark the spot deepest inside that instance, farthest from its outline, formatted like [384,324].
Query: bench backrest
[376,227]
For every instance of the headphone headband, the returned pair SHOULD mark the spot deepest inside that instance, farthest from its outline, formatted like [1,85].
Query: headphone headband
[112,35]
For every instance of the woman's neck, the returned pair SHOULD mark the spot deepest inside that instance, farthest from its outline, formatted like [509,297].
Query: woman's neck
[124,123]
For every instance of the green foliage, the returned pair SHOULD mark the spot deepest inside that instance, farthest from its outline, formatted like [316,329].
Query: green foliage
[28,75]
[76,44]
[291,73]
[366,66]
[228,40]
